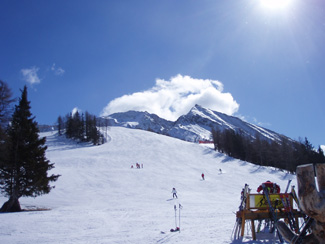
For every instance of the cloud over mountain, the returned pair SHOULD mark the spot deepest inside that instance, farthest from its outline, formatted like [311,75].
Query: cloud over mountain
[172,98]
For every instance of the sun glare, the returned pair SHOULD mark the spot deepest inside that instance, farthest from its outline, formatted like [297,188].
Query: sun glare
[275,4]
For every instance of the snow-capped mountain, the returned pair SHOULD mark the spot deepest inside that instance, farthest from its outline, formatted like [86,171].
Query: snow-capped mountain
[140,120]
[194,126]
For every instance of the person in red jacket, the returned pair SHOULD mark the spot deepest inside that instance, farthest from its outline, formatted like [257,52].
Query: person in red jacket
[272,187]
[202,176]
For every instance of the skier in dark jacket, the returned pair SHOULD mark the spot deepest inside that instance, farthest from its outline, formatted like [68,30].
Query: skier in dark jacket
[174,193]
[202,176]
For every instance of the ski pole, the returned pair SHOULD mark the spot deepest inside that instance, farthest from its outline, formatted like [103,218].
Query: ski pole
[289,181]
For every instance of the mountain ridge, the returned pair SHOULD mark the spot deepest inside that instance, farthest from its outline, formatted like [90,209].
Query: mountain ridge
[194,126]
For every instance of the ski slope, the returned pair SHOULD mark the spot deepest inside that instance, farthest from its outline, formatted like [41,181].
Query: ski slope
[100,199]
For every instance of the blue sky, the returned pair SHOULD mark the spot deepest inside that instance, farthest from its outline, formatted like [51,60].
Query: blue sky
[262,63]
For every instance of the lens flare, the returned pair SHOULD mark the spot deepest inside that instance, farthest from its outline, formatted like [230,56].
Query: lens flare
[275,4]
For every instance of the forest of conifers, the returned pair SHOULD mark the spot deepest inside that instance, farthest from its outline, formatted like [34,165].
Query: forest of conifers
[286,154]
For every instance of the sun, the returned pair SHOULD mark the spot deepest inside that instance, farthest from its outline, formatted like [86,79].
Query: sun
[276,4]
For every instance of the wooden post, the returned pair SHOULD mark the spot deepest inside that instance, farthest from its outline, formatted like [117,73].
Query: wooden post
[243,224]
[253,230]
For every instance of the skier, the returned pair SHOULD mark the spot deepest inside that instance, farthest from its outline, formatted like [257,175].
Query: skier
[202,176]
[272,187]
[174,193]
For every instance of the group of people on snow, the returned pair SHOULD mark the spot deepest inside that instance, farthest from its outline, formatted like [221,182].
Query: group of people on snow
[202,175]
[175,192]
[137,165]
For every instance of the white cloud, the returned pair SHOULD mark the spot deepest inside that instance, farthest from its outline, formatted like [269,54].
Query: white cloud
[171,99]
[30,75]
[57,71]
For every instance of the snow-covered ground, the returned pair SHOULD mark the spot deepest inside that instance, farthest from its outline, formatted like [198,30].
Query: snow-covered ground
[100,199]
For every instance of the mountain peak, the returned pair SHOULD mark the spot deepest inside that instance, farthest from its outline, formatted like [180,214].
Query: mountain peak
[194,126]
[199,108]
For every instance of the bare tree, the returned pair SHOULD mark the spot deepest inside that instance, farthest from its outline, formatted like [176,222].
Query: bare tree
[5,103]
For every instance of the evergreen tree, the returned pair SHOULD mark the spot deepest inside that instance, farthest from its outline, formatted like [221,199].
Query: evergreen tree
[88,126]
[83,128]
[78,126]
[24,173]
[60,125]
[95,135]
[320,156]
[69,126]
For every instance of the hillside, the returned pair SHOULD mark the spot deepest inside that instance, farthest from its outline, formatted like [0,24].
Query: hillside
[100,199]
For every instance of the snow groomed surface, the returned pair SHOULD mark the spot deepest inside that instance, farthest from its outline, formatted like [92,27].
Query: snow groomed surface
[100,199]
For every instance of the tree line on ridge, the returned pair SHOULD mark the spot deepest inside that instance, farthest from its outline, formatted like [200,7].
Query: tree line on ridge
[285,154]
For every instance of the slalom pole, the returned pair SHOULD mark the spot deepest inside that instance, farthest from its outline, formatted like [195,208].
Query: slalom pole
[179,216]
[175,217]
